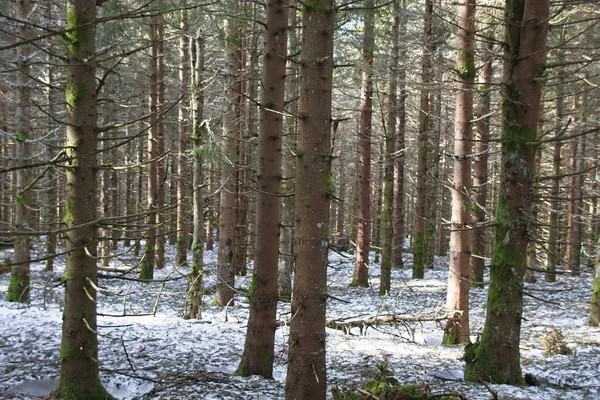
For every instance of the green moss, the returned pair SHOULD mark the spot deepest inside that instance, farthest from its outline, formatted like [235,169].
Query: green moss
[68,217]
[79,30]
[450,337]
[18,288]
[595,304]
[76,389]
[418,270]
[465,65]
[243,372]
[21,136]
[74,93]
[316,6]
[254,286]
[329,186]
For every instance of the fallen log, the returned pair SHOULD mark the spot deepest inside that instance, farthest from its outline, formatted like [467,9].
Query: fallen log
[346,325]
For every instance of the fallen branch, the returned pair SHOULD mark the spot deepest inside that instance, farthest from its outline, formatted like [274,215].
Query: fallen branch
[352,322]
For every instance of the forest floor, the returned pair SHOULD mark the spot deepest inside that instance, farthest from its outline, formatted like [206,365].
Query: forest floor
[148,351]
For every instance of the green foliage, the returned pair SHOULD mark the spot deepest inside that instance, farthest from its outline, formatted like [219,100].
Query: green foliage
[385,387]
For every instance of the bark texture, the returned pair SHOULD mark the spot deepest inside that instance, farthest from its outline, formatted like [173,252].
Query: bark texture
[182,204]
[306,365]
[147,270]
[496,357]
[400,130]
[259,347]
[79,378]
[390,133]
[19,286]
[227,216]
[480,168]
[459,277]
[554,212]
[418,239]
[197,270]
[363,238]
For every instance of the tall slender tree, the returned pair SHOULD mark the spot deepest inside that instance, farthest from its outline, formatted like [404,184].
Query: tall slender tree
[197,101]
[363,238]
[480,165]
[424,128]
[399,149]
[259,348]
[496,357]
[79,369]
[19,287]
[390,140]
[306,374]
[457,330]
[227,215]
[182,204]
[286,257]
[148,261]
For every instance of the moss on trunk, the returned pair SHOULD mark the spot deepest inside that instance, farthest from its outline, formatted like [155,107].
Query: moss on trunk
[78,390]
[19,286]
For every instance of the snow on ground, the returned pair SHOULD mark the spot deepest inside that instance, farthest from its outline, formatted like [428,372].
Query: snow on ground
[148,351]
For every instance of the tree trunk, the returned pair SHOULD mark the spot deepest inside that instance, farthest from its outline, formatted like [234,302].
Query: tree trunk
[554,213]
[306,373]
[53,177]
[480,167]
[388,204]
[286,249]
[161,167]
[496,358]
[197,96]
[19,286]
[227,215]
[363,237]
[459,277]
[259,347]
[182,203]
[424,127]
[79,375]
[595,302]
[399,150]
[148,261]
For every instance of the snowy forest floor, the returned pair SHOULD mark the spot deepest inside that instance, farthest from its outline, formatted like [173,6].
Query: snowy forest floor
[148,351]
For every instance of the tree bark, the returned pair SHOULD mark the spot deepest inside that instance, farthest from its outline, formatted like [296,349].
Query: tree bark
[19,286]
[399,151]
[182,203]
[227,216]
[480,167]
[79,375]
[286,249]
[259,347]
[419,237]
[554,212]
[306,373]
[496,358]
[197,96]
[390,142]
[148,261]
[363,238]
[459,277]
